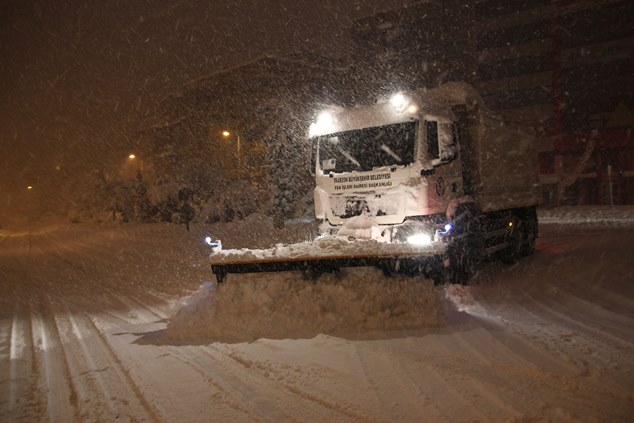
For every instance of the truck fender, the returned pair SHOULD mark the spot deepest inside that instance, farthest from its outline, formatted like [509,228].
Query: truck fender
[453,204]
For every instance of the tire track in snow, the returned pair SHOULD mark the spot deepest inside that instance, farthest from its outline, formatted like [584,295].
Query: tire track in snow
[447,388]
[25,397]
[139,314]
[91,383]
[238,401]
[613,327]
[526,315]
[122,370]
[457,371]
[599,365]
[101,378]
[388,380]
[19,355]
[494,367]
[478,391]
[370,383]
[144,312]
[259,382]
[61,393]
[241,381]
[545,309]
[6,375]
[264,372]
[189,383]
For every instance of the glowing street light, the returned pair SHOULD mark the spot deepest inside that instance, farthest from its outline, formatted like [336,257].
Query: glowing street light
[134,163]
[30,187]
[227,134]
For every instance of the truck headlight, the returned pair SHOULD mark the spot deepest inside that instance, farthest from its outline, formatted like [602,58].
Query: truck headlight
[419,239]
[398,101]
[323,125]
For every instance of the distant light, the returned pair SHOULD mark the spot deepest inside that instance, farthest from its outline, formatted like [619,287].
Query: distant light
[448,227]
[131,156]
[412,109]
[226,133]
[29,187]
[58,167]
[419,239]
[510,224]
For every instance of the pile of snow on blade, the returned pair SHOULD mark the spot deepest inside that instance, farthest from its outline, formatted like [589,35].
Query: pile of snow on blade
[286,305]
[325,247]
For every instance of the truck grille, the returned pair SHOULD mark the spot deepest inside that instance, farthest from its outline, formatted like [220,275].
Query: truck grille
[374,205]
[348,207]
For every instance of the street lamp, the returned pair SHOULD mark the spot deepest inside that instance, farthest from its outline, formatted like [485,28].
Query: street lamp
[132,159]
[227,134]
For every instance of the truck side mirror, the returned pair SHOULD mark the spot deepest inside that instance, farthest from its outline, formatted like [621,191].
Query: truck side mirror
[447,141]
[441,141]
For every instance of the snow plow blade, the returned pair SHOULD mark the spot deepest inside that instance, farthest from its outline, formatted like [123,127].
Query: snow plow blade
[327,255]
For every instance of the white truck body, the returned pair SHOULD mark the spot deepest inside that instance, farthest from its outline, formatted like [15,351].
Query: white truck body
[500,161]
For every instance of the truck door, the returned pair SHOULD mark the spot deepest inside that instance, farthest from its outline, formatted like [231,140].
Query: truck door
[465,148]
[445,181]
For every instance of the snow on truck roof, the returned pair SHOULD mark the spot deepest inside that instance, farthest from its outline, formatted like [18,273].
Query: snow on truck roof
[400,107]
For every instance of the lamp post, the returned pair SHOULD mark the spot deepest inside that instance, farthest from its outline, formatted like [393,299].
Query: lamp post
[133,167]
[227,134]
[133,158]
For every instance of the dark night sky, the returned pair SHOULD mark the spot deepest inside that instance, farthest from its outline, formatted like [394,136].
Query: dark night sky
[78,77]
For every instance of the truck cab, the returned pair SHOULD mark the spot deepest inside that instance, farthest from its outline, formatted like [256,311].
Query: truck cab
[394,165]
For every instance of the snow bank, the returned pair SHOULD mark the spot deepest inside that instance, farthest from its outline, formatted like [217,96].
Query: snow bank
[286,305]
[594,215]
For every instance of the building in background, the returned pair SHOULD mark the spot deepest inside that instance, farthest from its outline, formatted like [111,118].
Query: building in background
[564,68]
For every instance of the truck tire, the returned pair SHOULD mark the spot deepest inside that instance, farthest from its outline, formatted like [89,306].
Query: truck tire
[514,239]
[522,236]
[529,231]
[466,248]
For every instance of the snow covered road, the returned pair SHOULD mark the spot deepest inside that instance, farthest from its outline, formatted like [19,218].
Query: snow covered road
[84,311]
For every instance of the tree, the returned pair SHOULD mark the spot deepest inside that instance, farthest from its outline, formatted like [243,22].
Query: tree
[289,176]
[568,179]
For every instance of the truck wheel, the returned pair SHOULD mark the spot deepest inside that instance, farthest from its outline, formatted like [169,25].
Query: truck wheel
[514,240]
[466,247]
[521,239]
[529,232]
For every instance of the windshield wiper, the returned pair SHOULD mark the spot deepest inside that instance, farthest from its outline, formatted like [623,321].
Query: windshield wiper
[391,153]
[350,157]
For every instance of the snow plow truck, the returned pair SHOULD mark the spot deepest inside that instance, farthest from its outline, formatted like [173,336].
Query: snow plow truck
[426,182]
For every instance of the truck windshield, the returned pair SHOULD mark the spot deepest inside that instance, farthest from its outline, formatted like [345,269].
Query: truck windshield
[368,148]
